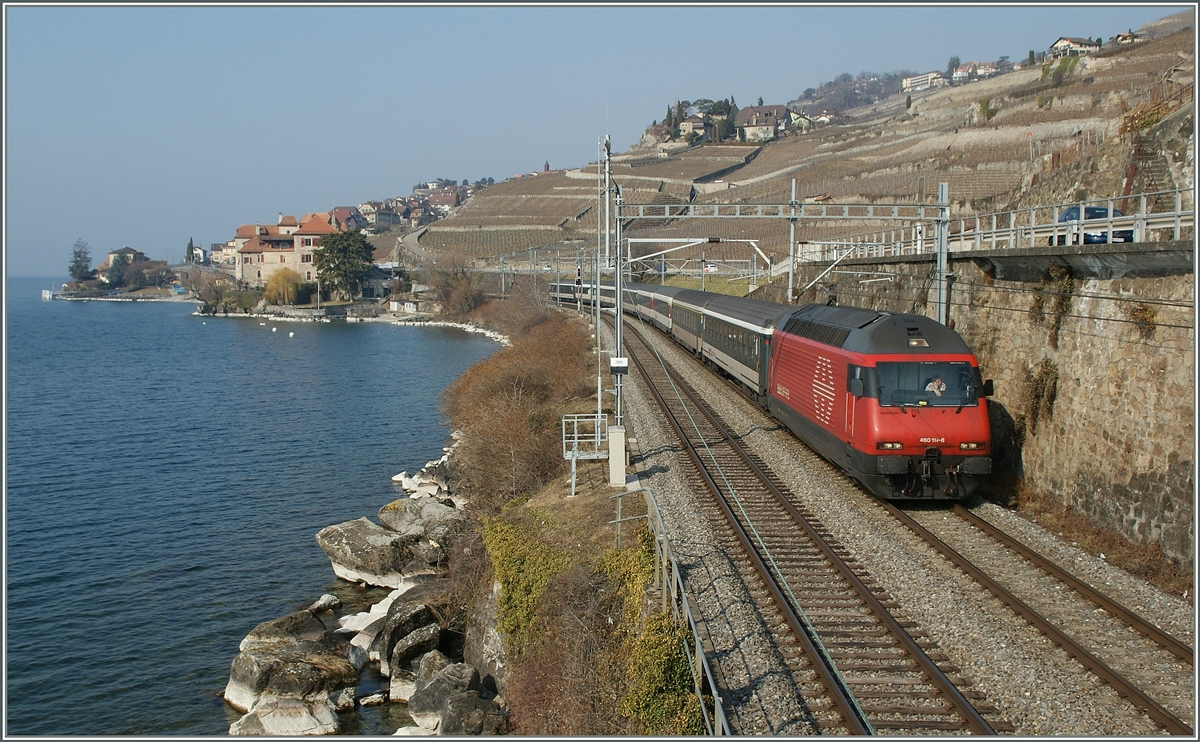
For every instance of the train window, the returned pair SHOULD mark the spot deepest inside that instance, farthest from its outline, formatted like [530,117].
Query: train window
[867,377]
[928,383]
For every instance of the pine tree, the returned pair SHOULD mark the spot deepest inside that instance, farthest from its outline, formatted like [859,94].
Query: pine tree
[81,260]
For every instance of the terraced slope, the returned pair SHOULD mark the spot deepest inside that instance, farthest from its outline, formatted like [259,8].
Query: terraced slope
[1050,133]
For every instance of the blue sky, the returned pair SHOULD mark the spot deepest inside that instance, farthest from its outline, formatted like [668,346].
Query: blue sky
[147,126]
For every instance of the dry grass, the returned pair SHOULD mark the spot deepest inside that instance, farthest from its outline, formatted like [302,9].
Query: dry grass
[1146,562]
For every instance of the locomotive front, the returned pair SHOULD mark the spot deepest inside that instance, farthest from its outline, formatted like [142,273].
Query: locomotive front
[919,413]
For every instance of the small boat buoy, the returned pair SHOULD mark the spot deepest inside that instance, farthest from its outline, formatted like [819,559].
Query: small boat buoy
[291,334]
[273,329]
[204,323]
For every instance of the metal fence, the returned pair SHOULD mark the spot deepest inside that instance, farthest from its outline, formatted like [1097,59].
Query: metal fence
[669,582]
[1154,217]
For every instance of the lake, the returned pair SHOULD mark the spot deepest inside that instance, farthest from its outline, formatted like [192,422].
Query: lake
[166,475]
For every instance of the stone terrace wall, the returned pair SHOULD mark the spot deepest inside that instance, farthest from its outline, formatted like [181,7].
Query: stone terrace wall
[1099,413]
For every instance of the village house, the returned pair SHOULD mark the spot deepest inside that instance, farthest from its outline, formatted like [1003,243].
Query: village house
[223,253]
[443,201]
[917,83]
[761,123]
[264,249]
[133,256]
[1071,46]
[693,124]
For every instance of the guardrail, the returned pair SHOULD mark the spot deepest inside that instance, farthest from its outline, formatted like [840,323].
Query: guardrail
[1024,229]
[669,582]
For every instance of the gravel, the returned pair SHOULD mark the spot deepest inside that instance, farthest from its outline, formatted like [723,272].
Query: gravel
[1036,686]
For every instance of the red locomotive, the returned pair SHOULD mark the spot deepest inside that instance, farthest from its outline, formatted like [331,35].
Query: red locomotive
[895,400]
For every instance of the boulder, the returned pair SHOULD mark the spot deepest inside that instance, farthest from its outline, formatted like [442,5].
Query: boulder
[287,717]
[428,552]
[412,646]
[483,646]
[326,602]
[363,551]
[290,657]
[401,685]
[425,518]
[295,628]
[402,619]
[426,703]
[468,713]
[431,664]
[305,672]
[415,731]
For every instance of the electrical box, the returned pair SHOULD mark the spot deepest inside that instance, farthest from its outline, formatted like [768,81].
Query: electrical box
[618,365]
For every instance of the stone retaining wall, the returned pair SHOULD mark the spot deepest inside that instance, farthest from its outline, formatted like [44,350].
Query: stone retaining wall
[1094,392]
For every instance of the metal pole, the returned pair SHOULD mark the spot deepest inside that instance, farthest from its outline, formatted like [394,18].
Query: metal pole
[791,294]
[703,269]
[607,190]
[943,236]
[620,315]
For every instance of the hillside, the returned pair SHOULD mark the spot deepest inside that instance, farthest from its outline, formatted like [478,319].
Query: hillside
[1068,130]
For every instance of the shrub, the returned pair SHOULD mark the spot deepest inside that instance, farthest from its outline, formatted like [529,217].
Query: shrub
[524,566]
[283,287]
[663,697]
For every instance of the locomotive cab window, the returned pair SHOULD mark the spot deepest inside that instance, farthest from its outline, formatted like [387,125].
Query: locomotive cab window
[930,383]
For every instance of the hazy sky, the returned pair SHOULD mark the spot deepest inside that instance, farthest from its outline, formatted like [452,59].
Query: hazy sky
[147,126]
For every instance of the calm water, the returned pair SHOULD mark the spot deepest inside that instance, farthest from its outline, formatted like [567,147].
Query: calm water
[166,474]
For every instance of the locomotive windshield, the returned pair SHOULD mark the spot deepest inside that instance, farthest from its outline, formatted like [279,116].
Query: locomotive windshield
[934,384]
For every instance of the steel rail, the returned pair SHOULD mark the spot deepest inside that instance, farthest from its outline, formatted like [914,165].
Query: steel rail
[974,719]
[839,696]
[1136,622]
[1117,682]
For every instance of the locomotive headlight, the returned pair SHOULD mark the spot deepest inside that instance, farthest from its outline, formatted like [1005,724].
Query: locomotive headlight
[890,446]
[971,446]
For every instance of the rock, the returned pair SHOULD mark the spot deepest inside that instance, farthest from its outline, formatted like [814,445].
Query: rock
[298,627]
[287,717]
[417,731]
[399,478]
[415,644]
[483,647]
[431,663]
[367,621]
[326,602]
[361,550]
[402,619]
[428,552]
[468,713]
[293,672]
[290,657]
[422,519]
[375,699]
[426,703]
[401,685]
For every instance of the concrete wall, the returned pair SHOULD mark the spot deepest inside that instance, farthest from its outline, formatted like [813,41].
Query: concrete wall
[1094,393]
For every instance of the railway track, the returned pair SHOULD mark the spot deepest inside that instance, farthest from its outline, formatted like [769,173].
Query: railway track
[860,668]
[1150,668]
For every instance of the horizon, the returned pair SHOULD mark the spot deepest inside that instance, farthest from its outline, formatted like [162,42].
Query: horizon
[148,126]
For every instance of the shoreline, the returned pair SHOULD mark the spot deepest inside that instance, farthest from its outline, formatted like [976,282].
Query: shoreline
[391,319]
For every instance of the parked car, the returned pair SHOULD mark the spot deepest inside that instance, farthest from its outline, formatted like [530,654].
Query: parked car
[1071,215]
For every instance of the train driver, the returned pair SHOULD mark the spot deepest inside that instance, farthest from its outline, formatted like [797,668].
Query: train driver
[936,385]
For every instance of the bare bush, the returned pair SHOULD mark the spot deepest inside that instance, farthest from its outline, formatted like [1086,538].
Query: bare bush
[571,679]
[456,282]
[518,391]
